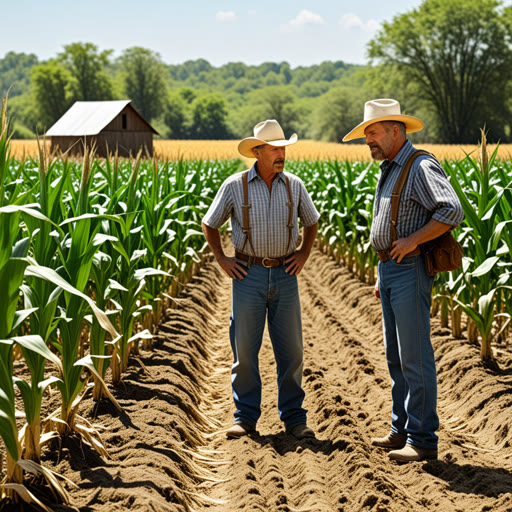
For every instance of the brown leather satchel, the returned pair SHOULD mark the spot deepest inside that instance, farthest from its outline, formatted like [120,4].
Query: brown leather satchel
[441,254]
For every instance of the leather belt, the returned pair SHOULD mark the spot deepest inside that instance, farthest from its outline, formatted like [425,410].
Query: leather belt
[384,255]
[264,262]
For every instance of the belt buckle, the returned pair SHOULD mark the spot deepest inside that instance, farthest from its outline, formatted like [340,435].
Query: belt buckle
[265,265]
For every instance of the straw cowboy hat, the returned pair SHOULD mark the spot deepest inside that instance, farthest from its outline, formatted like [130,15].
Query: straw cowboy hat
[376,111]
[266,132]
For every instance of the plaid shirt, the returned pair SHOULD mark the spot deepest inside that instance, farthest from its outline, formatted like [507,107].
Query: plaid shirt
[427,194]
[268,213]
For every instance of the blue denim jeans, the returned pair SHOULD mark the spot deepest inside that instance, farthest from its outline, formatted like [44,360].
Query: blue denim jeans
[405,292]
[272,293]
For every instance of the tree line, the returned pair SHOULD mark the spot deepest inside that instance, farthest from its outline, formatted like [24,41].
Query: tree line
[448,62]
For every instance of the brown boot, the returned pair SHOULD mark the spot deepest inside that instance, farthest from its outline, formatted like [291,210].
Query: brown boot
[240,429]
[392,441]
[300,431]
[410,453]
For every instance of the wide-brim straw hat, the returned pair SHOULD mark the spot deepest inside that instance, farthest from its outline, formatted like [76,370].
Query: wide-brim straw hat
[266,132]
[379,110]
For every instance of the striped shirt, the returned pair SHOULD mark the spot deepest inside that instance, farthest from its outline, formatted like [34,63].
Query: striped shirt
[427,194]
[268,214]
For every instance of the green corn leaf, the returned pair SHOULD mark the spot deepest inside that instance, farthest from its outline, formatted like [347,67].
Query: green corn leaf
[35,343]
[142,335]
[48,382]
[21,315]
[485,267]
[52,276]
[89,364]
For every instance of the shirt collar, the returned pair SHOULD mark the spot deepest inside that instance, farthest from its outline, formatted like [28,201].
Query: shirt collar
[401,157]
[253,174]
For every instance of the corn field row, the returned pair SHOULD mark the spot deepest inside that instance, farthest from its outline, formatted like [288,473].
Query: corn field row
[93,252]
[310,150]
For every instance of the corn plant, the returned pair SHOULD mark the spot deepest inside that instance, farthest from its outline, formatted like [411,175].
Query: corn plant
[343,193]
[483,201]
[4,151]
[170,221]
[77,249]
[13,265]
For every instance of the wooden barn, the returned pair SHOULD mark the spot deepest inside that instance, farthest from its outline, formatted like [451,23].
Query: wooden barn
[108,124]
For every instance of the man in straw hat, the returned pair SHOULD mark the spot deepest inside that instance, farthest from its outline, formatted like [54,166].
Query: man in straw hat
[428,207]
[264,204]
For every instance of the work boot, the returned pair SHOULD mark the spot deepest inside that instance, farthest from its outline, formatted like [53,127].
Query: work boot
[410,453]
[393,441]
[240,430]
[300,431]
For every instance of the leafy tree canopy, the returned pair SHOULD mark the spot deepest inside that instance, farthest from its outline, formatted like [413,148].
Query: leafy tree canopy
[142,75]
[87,67]
[457,54]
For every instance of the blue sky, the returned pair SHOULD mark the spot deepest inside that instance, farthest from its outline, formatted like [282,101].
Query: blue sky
[299,32]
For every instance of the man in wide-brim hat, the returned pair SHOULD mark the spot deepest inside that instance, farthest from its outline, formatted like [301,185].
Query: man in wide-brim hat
[264,204]
[428,207]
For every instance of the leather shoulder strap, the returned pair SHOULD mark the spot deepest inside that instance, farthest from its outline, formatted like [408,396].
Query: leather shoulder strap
[397,191]
[246,224]
[290,214]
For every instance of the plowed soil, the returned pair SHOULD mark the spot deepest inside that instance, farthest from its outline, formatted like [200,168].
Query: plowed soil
[169,451]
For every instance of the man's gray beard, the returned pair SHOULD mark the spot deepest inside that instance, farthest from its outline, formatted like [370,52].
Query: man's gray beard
[379,155]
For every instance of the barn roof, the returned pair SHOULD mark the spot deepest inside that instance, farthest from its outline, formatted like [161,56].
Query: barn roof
[89,118]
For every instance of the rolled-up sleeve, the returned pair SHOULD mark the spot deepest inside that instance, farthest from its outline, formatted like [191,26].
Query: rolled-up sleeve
[221,208]
[433,191]
[307,211]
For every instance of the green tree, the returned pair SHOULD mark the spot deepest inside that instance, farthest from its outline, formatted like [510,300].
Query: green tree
[143,77]
[177,116]
[457,52]
[234,70]
[337,112]
[188,94]
[278,103]
[87,67]
[209,118]
[15,71]
[51,83]
[25,117]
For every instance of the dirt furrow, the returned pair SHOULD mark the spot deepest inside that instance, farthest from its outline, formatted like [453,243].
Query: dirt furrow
[348,398]
[169,451]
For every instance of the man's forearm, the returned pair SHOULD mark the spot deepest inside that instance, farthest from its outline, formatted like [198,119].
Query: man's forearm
[309,237]
[429,231]
[229,264]
[213,239]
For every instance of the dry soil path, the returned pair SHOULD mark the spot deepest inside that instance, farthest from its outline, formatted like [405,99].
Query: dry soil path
[169,451]
[348,399]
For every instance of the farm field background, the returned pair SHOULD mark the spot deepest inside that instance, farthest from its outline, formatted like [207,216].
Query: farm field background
[114,306]
[303,150]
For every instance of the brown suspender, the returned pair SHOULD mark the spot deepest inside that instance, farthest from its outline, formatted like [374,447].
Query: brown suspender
[290,214]
[397,191]
[246,227]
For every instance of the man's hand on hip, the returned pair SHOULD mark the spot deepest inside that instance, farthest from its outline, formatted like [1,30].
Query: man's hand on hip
[296,261]
[232,268]
[401,247]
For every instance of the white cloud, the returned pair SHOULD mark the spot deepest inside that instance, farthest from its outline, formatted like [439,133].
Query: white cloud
[225,16]
[351,20]
[304,17]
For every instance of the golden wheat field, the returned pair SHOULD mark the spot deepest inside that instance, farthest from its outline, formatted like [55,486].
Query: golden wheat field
[303,150]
